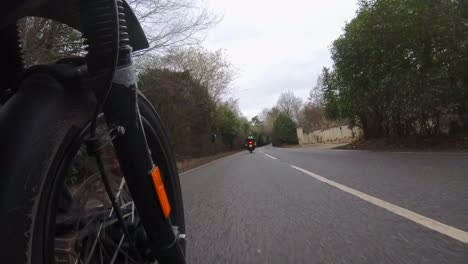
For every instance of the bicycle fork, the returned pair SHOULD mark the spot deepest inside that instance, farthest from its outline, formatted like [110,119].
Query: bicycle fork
[121,110]
[104,27]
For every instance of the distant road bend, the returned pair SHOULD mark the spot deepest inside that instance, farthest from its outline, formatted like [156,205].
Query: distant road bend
[310,205]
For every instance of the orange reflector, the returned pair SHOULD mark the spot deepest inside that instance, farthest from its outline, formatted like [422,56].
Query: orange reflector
[159,185]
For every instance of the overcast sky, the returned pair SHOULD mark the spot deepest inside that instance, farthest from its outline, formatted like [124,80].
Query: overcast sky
[276,45]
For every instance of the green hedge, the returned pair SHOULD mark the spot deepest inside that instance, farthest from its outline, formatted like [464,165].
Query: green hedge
[284,131]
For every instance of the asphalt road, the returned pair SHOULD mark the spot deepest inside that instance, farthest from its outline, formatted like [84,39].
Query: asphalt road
[369,207]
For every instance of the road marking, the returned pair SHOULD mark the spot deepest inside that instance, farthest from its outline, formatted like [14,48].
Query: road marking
[447,230]
[270,156]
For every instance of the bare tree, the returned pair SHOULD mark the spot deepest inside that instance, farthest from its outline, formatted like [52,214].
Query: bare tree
[211,69]
[44,40]
[316,94]
[313,114]
[167,24]
[313,117]
[291,105]
[268,117]
[172,23]
[233,104]
[263,116]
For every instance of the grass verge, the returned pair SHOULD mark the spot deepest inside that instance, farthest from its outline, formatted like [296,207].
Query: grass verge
[189,164]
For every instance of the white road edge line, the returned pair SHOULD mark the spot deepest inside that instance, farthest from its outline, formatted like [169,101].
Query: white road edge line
[270,156]
[447,230]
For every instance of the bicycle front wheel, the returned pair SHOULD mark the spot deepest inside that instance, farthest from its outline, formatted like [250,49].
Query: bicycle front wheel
[78,223]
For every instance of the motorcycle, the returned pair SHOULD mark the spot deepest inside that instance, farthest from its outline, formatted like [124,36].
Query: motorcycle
[251,146]
[126,206]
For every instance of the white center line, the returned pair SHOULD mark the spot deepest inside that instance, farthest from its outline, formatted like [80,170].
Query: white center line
[270,156]
[447,230]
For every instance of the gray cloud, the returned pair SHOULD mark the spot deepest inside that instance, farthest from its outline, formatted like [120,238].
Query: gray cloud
[277,45]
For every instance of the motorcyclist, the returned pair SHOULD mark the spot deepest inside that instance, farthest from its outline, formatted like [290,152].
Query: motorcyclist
[250,137]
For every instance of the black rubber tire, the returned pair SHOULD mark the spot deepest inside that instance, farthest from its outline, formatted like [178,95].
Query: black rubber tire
[45,210]
[37,125]
[163,156]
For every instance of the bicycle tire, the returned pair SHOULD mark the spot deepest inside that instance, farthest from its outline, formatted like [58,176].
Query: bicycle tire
[38,244]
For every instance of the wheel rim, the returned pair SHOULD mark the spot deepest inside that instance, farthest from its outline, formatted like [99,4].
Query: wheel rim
[94,236]
[85,229]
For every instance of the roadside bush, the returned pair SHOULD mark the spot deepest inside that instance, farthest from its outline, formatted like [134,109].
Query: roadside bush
[284,131]
[185,108]
[227,124]
[197,125]
[260,135]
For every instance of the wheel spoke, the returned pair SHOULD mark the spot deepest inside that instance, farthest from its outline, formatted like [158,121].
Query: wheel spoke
[90,255]
[119,192]
[100,254]
[112,243]
[133,212]
[102,211]
[101,246]
[116,253]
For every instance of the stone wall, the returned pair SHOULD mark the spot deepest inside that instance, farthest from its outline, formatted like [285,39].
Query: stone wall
[341,134]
